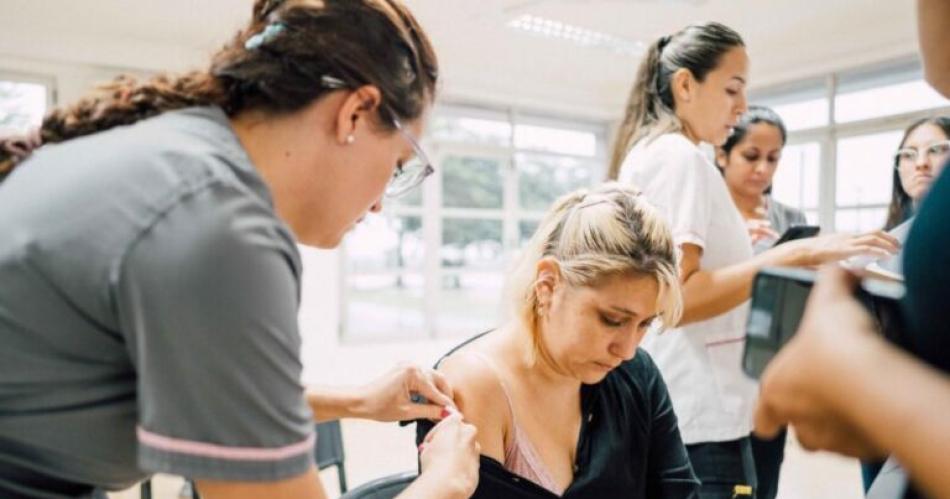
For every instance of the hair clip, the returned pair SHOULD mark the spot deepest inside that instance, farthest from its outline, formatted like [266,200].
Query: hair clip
[271,31]
[332,82]
[592,202]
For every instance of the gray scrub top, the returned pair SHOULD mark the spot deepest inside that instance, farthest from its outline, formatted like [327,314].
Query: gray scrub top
[148,314]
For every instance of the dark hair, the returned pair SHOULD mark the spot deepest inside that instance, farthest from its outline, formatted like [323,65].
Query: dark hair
[650,107]
[278,63]
[754,116]
[902,206]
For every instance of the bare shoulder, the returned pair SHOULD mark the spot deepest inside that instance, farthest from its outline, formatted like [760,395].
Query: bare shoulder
[480,396]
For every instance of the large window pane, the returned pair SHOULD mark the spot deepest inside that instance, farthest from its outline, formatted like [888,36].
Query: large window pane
[383,243]
[471,130]
[559,140]
[796,180]
[802,105]
[860,220]
[385,257]
[526,230]
[472,275]
[886,100]
[404,282]
[22,106]
[385,306]
[543,179]
[469,182]
[802,115]
[471,243]
[469,302]
[865,168]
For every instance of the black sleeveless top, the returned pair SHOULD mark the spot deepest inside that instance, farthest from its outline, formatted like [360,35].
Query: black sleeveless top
[629,445]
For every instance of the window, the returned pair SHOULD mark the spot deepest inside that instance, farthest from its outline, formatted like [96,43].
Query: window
[875,93]
[848,146]
[864,176]
[433,264]
[796,179]
[23,102]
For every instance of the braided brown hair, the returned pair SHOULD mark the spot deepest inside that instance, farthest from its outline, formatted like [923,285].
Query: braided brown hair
[355,42]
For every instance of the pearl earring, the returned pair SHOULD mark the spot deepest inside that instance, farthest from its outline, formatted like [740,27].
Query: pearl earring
[350,139]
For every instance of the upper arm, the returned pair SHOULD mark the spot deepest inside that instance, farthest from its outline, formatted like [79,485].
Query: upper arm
[207,299]
[690,256]
[304,486]
[480,398]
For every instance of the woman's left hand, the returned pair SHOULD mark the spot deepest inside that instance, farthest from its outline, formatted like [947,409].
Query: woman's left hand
[760,230]
[390,397]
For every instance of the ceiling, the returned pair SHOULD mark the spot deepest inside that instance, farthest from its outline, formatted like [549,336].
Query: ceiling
[483,60]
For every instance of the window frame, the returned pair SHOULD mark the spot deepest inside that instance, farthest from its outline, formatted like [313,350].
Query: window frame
[827,136]
[433,212]
[48,81]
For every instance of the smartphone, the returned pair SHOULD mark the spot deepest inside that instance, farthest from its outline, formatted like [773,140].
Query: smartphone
[778,302]
[798,232]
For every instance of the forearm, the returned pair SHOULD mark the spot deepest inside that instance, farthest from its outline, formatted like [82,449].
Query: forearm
[708,293]
[329,403]
[901,405]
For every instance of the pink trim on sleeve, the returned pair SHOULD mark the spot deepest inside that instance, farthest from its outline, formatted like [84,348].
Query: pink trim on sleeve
[203,449]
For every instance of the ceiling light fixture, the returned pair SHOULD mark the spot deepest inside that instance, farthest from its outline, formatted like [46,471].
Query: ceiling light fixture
[584,37]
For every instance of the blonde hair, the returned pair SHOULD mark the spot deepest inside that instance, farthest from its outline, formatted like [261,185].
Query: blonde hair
[593,234]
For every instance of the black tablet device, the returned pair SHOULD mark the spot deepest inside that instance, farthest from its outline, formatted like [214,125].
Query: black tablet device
[778,302]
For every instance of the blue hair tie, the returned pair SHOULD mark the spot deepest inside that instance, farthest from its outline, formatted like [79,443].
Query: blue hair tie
[269,33]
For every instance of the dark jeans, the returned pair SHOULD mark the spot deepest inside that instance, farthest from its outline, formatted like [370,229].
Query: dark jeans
[768,455]
[721,466]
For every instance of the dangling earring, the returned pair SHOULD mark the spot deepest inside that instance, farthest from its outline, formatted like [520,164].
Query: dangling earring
[350,139]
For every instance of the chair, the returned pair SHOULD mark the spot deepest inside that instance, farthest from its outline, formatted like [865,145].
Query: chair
[382,488]
[329,449]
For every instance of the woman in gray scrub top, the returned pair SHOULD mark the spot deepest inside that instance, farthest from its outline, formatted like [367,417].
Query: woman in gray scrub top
[148,258]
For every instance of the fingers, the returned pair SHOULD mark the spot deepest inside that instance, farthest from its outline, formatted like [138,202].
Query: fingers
[442,384]
[431,385]
[816,435]
[879,239]
[767,422]
[425,411]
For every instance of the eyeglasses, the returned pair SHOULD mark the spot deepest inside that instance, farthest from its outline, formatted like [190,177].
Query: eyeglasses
[411,174]
[936,153]
[407,176]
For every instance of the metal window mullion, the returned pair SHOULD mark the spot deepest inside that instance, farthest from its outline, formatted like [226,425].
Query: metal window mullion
[829,156]
[432,234]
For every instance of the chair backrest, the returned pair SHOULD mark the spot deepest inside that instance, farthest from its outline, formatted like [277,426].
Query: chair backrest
[329,449]
[387,487]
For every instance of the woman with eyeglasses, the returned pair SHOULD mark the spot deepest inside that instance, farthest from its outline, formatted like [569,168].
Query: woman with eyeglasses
[918,161]
[151,279]
[689,90]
